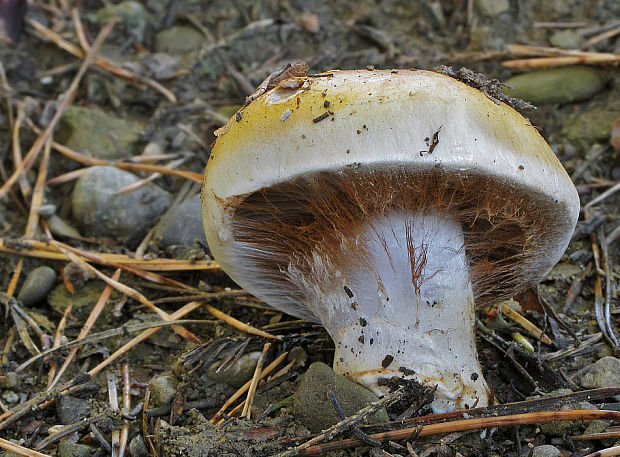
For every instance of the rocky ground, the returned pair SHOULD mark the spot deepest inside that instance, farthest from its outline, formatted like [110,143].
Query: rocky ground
[173,72]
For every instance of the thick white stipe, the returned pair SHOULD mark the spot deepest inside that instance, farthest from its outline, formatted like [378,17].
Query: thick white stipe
[412,314]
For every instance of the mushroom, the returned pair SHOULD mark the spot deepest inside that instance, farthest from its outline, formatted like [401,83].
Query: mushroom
[383,205]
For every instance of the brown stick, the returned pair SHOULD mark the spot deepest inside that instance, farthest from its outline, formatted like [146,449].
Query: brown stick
[468,424]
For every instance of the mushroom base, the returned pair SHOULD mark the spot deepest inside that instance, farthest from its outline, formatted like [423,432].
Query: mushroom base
[411,313]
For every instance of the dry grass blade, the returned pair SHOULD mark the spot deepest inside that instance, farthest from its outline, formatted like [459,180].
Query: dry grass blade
[68,430]
[153,277]
[254,382]
[90,322]
[34,248]
[556,57]
[62,106]
[546,51]
[113,397]
[4,83]
[17,151]
[79,29]
[33,214]
[67,177]
[122,288]
[39,190]
[604,195]
[178,314]
[601,37]
[22,331]
[124,438]
[128,166]
[100,61]
[143,182]
[243,389]
[598,436]
[10,290]
[135,166]
[525,323]
[8,345]
[542,62]
[20,450]
[57,341]
[238,324]
[110,334]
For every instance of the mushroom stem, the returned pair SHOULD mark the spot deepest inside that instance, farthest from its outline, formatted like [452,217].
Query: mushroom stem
[410,310]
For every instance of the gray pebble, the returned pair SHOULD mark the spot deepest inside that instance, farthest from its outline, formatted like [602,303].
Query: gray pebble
[605,372]
[181,225]
[83,298]
[60,227]
[238,374]
[178,40]
[546,450]
[558,85]
[163,389]
[492,8]
[103,135]
[566,39]
[47,210]
[37,286]
[137,447]
[10,381]
[100,211]
[71,409]
[10,397]
[133,15]
[313,408]
[68,449]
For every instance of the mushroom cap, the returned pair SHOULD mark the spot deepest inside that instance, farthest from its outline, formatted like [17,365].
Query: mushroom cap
[419,127]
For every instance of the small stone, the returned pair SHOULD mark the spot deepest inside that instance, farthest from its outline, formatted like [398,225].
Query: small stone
[313,408]
[309,22]
[131,14]
[60,227]
[593,124]
[299,355]
[137,447]
[604,372]
[10,397]
[103,135]
[163,389]
[560,428]
[37,286]
[546,450]
[83,298]
[566,39]
[153,149]
[596,426]
[71,409]
[492,8]
[558,85]
[10,381]
[239,373]
[178,40]
[67,449]
[101,211]
[181,225]
[47,210]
